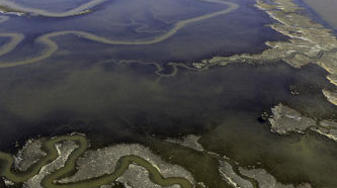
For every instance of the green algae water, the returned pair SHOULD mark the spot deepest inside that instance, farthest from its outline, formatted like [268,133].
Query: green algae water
[166,103]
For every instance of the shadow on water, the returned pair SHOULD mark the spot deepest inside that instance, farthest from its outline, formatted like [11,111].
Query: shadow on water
[124,96]
[114,102]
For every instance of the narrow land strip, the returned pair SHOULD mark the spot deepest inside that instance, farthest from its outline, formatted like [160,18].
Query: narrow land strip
[60,169]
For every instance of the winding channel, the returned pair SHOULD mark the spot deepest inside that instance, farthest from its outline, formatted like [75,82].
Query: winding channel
[15,39]
[14,7]
[49,146]
[52,47]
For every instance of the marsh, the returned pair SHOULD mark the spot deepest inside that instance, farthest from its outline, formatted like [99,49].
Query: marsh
[121,72]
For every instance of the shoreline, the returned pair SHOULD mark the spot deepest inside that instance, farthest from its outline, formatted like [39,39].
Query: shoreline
[309,42]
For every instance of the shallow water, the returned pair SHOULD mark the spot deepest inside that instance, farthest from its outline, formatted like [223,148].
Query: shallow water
[54,6]
[236,32]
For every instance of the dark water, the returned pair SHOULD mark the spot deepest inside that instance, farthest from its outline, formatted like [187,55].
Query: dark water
[114,102]
[118,99]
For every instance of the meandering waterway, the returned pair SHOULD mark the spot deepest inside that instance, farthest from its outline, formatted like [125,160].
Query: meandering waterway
[52,153]
[51,47]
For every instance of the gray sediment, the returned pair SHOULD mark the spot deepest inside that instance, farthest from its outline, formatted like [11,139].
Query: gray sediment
[138,177]
[266,180]
[286,120]
[30,153]
[231,177]
[64,150]
[96,163]
[189,141]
